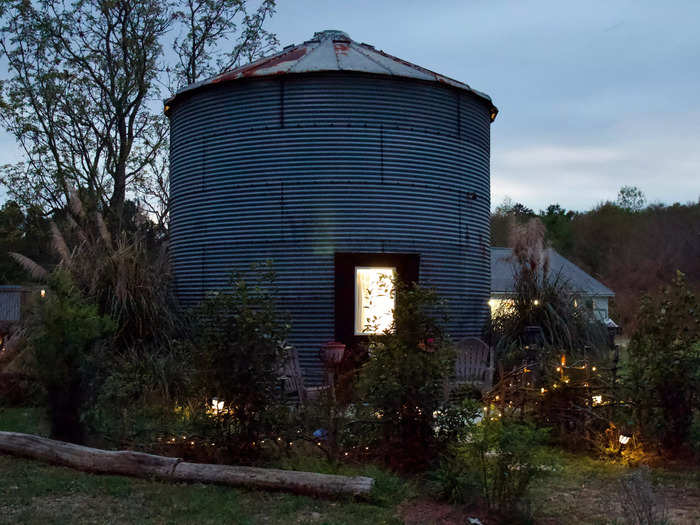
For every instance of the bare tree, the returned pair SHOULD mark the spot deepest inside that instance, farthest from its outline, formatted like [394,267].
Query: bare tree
[77,101]
[209,22]
[82,97]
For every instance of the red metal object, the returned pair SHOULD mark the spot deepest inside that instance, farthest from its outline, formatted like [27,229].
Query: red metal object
[332,353]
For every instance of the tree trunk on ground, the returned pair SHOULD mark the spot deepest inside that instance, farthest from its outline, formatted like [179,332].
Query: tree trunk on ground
[142,465]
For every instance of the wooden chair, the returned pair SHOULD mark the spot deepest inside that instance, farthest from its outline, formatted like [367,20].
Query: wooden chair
[293,380]
[474,364]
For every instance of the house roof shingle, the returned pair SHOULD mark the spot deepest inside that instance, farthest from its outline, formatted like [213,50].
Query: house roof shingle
[503,273]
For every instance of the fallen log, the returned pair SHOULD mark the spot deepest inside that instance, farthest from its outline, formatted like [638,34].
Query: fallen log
[139,464]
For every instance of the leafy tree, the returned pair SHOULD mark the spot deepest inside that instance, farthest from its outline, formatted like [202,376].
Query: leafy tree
[506,216]
[239,348]
[664,364]
[84,80]
[23,232]
[208,23]
[631,198]
[636,253]
[65,329]
[557,222]
[403,381]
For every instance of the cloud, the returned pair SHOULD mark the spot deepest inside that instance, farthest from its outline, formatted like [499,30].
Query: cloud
[557,156]
[659,155]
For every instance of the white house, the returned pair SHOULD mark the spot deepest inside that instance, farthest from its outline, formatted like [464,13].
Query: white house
[593,294]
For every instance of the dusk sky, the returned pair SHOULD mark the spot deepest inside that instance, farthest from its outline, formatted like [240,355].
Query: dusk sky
[592,95]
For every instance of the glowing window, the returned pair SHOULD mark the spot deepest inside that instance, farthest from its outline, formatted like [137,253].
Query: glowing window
[501,306]
[374,299]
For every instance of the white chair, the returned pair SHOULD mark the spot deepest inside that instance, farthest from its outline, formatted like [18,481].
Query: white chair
[474,364]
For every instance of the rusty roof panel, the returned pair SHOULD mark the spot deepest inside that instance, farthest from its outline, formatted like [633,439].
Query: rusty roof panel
[333,50]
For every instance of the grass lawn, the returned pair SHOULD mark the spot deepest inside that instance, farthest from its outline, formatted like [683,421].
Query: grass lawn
[583,491]
[34,492]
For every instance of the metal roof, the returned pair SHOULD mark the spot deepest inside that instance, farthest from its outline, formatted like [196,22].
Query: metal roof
[503,274]
[332,50]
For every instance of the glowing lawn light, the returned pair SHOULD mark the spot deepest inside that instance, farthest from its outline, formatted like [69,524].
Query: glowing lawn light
[624,439]
[217,405]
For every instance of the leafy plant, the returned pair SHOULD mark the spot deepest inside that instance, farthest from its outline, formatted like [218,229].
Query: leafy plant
[503,457]
[664,364]
[137,392]
[239,344]
[65,330]
[403,382]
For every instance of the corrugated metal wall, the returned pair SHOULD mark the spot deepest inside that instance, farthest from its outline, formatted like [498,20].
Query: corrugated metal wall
[295,169]
[10,304]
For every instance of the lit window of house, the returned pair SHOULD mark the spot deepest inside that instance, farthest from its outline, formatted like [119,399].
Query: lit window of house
[501,306]
[374,299]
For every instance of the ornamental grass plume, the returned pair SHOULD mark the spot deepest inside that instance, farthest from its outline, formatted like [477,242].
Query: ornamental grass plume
[127,274]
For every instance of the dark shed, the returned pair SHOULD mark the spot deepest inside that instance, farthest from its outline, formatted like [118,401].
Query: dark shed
[338,162]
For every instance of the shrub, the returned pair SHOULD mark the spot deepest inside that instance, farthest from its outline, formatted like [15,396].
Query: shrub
[239,344]
[138,392]
[544,300]
[502,458]
[664,364]
[65,329]
[641,504]
[403,382]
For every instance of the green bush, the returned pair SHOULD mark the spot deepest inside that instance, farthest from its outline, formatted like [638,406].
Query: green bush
[695,433]
[403,382]
[497,458]
[138,392]
[239,345]
[64,332]
[664,365]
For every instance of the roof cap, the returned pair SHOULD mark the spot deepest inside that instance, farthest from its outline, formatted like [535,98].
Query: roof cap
[332,34]
[328,51]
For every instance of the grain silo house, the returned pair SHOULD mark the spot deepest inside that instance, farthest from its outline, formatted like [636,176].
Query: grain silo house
[340,163]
